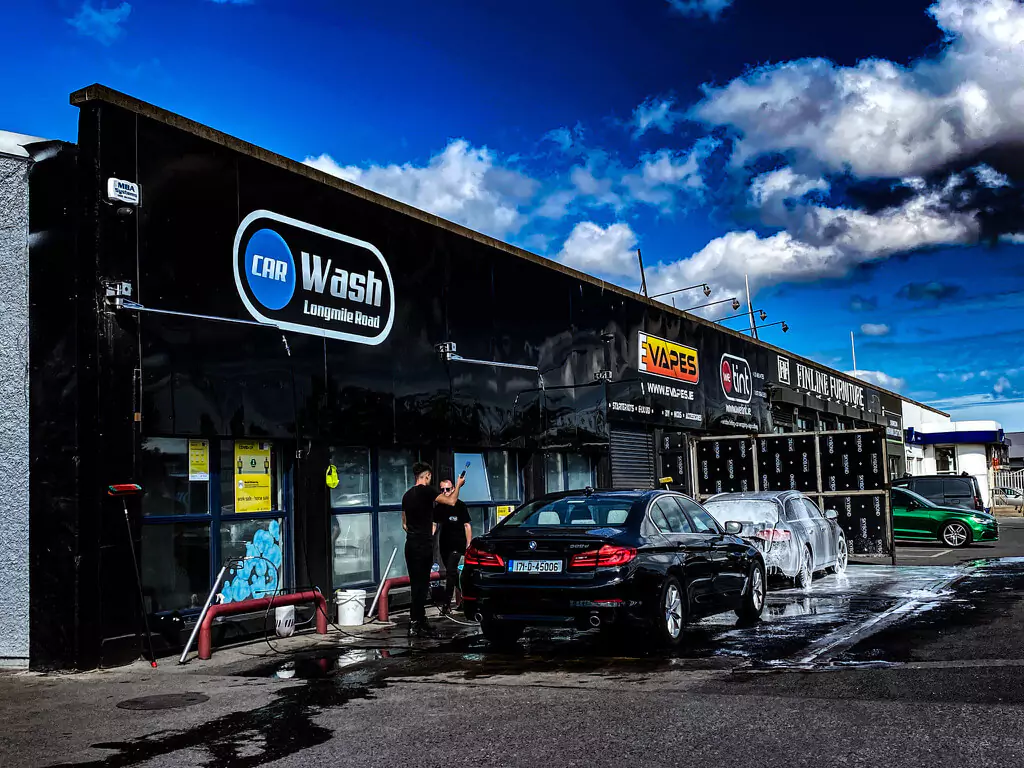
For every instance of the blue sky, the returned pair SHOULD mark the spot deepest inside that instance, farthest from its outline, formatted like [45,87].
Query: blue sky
[859,163]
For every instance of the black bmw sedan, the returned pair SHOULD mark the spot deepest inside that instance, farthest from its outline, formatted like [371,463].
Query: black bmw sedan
[610,559]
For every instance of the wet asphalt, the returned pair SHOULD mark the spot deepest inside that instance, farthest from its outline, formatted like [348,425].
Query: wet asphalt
[912,665]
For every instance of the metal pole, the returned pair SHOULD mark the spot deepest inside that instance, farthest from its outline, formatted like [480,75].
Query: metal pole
[383,579]
[202,615]
[853,349]
[750,307]
[643,277]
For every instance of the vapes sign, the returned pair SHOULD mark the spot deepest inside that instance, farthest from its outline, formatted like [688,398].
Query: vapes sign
[306,279]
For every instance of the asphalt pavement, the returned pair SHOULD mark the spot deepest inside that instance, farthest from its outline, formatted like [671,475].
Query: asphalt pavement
[915,665]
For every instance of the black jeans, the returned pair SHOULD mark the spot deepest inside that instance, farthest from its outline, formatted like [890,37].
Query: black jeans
[451,565]
[419,558]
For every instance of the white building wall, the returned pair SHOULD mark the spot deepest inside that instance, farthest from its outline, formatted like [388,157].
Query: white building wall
[14,455]
[973,459]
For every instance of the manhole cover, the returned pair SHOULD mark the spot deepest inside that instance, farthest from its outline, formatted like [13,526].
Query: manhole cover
[165,701]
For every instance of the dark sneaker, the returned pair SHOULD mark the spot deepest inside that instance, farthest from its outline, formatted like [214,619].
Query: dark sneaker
[422,630]
[446,610]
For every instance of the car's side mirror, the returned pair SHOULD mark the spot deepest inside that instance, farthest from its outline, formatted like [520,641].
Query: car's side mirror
[733,528]
[831,514]
[912,504]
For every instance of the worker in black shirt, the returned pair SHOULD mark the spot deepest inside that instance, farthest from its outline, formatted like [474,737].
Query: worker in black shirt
[456,534]
[419,526]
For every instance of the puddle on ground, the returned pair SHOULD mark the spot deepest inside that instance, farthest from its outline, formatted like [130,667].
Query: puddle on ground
[318,680]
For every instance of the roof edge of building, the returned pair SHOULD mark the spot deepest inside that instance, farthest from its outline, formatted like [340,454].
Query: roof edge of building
[101,93]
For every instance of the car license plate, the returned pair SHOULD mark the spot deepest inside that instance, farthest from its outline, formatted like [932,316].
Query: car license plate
[534,566]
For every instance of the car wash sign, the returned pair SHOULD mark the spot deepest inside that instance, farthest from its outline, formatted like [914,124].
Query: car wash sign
[304,278]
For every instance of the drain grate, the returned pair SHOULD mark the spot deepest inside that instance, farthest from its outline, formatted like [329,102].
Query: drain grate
[164,701]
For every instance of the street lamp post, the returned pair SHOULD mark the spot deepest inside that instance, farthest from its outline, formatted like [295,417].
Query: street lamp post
[760,312]
[783,323]
[734,300]
[705,286]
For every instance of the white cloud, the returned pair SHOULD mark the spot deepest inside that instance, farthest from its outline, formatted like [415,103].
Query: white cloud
[880,379]
[709,8]
[462,183]
[991,178]
[655,113]
[775,191]
[881,119]
[660,176]
[875,329]
[1002,386]
[103,23]
[601,250]
[821,243]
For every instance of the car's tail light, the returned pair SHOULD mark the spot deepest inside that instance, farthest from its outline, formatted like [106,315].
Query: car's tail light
[605,557]
[773,534]
[476,556]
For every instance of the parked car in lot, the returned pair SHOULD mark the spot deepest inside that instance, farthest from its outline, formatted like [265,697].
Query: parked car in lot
[916,518]
[945,490]
[619,560]
[1007,497]
[794,537]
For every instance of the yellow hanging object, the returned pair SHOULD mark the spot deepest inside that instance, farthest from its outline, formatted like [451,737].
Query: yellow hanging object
[332,476]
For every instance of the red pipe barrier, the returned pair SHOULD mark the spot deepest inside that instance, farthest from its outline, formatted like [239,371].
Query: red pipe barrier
[260,604]
[397,581]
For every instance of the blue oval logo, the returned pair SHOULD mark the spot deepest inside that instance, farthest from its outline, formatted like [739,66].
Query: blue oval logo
[533,545]
[270,269]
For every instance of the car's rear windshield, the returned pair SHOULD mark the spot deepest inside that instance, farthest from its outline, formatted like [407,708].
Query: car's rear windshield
[571,512]
[743,510]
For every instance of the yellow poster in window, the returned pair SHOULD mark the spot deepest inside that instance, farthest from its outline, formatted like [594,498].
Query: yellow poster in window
[198,460]
[504,512]
[252,477]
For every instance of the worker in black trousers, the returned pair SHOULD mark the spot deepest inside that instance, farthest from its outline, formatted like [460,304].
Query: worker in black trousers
[419,526]
[456,533]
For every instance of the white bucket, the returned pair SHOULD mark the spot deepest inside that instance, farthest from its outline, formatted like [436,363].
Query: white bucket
[351,606]
[284,617]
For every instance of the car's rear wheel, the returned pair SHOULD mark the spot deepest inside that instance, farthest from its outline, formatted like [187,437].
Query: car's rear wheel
[503,635]
[752,602]
[672,613]
[805,575]
[956,534]
[842,557]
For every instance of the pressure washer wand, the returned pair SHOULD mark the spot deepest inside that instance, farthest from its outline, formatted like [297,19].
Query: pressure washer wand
[122,491]
[138,581]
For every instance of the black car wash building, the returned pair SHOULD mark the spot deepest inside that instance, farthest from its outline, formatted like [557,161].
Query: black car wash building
[222,326]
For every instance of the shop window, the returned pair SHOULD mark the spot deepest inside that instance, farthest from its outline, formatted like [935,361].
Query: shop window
[396,474]
[352,548]
[803,425]
[945,458]
[480,519]
[568,471]
[502,475]
[580,471]
[175,565]
[353,465]
[175,476]
[258,547]
[250,481]
[390,536]
[554,472]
